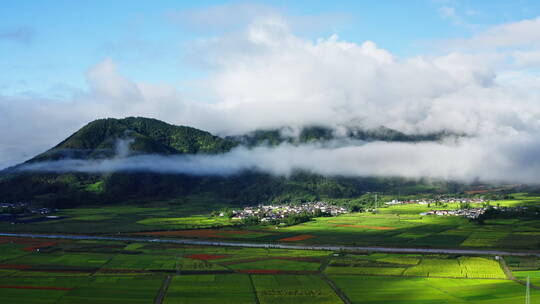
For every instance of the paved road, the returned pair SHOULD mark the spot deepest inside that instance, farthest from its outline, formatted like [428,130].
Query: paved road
[272,245]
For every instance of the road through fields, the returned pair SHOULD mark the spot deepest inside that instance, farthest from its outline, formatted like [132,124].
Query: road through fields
[274,245]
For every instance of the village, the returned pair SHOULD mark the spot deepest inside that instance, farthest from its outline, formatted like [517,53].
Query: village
[437,201]
[23,207]
[473,213]
[268,213]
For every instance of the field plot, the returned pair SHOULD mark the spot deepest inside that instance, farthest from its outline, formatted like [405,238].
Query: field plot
[523,267]
[115,290]
[282,289]
[522,240]
[533,275]
[36,290]
[67,260]
[396,290]
[209,289]
[415,265]
[241,255]
[188,222]
[392,271]
[208,233]
[463,267]
[10,251]
[523,263]
[186,264]
[475,267]
[277,264]
[141,261]
[484,239]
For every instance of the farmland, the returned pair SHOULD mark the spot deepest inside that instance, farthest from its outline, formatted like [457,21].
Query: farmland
[35,270]
[70,271]
[393,226]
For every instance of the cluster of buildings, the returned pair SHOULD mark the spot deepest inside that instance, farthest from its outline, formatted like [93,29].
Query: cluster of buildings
[472,213]
[439,200]
[268,213]
[23,207]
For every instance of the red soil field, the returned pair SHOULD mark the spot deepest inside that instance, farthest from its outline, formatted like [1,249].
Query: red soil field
[297,238]
[33,243]
[14,266]
[39,245]
[204,233]
[368,227]
[35,287]
[205,256]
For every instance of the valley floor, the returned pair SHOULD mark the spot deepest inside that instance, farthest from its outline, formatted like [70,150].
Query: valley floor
[38,270]
[160,254]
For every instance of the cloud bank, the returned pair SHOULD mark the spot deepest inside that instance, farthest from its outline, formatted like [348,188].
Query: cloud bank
[465,160]
[264,75]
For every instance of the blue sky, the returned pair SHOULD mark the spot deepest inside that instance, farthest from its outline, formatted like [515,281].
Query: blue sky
[47,46]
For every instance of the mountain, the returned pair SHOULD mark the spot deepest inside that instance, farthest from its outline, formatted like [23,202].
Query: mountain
[99,139]
[105,138]
[321,134]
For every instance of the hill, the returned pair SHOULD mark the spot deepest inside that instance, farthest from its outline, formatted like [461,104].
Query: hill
[104,138]
[99,139]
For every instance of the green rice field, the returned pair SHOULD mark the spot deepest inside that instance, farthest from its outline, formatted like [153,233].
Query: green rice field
[68,271]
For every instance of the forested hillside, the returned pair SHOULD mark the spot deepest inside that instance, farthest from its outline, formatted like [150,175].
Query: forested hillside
[100,139]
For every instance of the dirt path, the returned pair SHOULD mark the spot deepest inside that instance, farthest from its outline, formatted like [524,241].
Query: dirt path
[163,290]
[338,291]
[257,301]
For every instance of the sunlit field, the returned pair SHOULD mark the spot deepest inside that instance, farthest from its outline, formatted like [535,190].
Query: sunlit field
[67,271]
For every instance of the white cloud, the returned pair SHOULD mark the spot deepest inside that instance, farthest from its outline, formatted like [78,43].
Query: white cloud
[266,76]
[466,160]
[447,12]
[524,33]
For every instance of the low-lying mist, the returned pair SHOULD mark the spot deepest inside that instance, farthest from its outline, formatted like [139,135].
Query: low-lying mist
[509,159]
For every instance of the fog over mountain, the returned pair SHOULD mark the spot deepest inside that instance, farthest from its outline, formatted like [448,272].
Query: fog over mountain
[464,160]
[265,76]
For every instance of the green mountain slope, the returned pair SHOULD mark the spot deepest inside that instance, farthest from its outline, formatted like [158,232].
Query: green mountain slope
[100,139]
